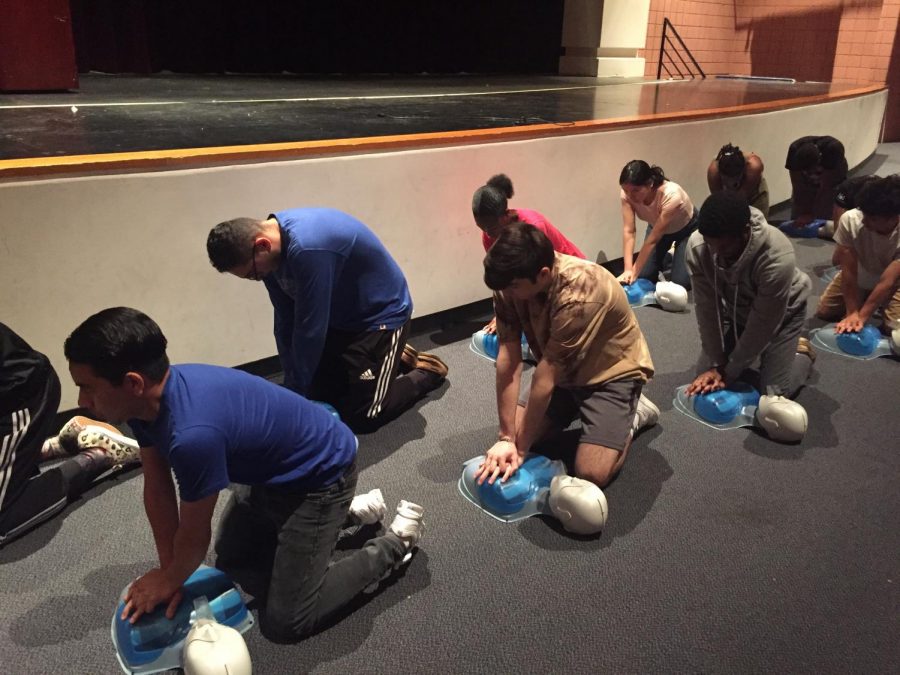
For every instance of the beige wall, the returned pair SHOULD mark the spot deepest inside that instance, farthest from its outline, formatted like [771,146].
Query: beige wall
[73,246]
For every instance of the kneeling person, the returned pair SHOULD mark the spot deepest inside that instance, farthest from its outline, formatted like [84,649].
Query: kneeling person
[342,310]
[213,426]
[593,360]
[749,298]
[868,252]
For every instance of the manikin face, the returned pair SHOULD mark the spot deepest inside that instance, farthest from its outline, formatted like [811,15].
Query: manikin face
[103,399]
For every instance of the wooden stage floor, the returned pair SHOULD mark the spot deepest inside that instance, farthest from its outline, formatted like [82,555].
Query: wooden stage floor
[166,115]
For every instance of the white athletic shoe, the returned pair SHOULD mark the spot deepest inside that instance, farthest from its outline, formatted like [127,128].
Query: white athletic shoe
[122,449]
[368,508]
[646,415]
[407,525]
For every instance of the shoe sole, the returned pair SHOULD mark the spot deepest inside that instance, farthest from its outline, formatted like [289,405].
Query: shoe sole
[649,404]
[432,364]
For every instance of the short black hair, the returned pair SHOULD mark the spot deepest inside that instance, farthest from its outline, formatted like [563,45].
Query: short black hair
[117,341]
[230,243]
[520,252]
[723,214]
[807,156]
[491,199]
[881,197]
[730,161]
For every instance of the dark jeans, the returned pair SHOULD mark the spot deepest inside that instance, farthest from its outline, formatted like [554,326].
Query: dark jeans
[296,533]
[656,262]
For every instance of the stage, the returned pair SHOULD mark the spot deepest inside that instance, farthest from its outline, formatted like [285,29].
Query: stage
[151,122]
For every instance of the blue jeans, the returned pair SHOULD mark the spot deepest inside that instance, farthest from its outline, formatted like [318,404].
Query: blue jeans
[305,589]
[656,261]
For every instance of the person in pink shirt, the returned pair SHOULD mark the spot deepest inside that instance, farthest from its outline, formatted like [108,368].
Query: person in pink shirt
[667,209]
[492,214]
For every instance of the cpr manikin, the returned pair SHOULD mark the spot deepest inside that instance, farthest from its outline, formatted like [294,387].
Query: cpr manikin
[579,505]
[781,418]
[671,297]
[213,649]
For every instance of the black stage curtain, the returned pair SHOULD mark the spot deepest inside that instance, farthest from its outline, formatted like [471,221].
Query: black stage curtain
[329,36]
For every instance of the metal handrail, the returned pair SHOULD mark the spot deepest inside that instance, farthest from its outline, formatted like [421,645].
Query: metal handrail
[662,52]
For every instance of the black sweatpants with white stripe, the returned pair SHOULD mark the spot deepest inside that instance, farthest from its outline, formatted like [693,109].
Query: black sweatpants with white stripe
[28,497]
[359,374]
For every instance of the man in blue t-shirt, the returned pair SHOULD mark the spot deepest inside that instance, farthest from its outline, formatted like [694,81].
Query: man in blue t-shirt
[342,310]
[214,426]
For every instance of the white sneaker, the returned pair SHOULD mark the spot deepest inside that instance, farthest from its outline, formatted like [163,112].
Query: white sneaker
[408,525]
[122,449]
[368,508]
[646,415]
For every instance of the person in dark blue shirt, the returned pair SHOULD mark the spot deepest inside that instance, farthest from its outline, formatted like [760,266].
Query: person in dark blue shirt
[294,463]
[342,310]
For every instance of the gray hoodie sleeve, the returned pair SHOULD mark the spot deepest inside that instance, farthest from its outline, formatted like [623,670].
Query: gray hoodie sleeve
[705,301]
[773,276]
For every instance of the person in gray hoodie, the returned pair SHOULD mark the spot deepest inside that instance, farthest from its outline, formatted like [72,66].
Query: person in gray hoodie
[749,298]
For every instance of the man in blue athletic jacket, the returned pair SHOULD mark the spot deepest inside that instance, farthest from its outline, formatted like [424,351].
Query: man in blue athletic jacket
[342,310]
[213,426]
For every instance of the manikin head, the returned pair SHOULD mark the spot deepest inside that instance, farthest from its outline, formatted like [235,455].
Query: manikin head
[781,418]
[211,648]
[671,297]
[579,505]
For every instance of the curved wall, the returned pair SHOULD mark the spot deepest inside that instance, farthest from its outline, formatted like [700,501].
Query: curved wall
[74,245]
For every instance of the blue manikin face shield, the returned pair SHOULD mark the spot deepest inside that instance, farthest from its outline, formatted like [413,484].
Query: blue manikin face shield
[525,494]
[487,346]
[640,293]
[808,231]
[867,344]
[724,409]
[154,643]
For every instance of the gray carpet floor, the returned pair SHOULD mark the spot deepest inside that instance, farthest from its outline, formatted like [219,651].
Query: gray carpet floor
[724,551]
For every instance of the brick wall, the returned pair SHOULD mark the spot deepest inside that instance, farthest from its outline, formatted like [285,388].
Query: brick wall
[823,40]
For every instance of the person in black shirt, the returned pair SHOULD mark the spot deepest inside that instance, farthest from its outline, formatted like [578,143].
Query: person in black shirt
[817,166]
[29,397]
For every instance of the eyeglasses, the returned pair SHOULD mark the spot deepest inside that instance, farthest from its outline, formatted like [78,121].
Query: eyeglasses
[254,274]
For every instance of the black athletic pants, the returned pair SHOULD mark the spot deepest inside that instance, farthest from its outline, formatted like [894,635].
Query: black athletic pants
[359,375]
[28,497]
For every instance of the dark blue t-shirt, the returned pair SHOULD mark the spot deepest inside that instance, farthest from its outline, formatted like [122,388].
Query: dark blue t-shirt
[218,426]
[334,274]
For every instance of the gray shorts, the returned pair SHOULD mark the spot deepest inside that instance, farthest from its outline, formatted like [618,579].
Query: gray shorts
[606,411]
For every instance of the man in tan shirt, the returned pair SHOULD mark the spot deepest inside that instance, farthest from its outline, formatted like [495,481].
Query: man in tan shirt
[593,360]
